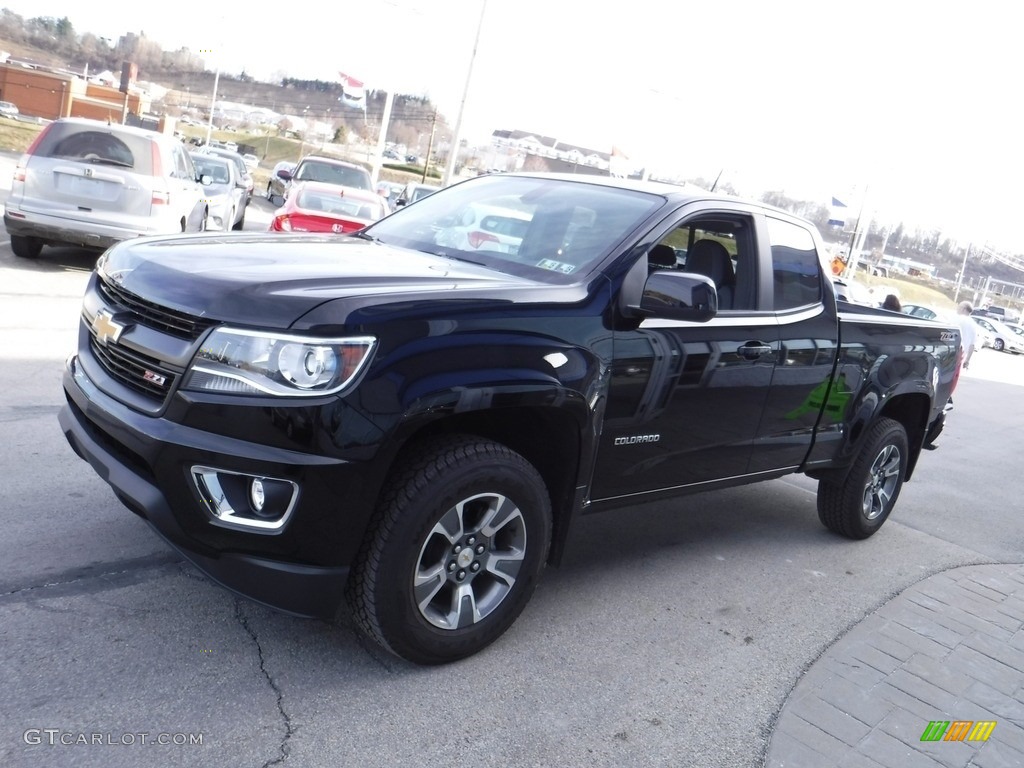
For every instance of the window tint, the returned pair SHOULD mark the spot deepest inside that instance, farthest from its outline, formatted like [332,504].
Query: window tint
[549,229]
[333,174]
[796,271]
[721,247]
[99,146]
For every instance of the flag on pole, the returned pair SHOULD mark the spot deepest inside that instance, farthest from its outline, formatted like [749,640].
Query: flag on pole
[837,214]
[353,93]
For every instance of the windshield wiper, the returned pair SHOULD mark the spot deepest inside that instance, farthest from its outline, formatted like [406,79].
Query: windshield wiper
[364,236]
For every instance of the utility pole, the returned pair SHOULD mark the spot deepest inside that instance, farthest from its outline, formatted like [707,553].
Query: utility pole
[453,153]
[430,146]
[960,277]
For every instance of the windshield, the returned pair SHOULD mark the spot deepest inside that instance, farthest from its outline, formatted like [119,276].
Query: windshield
[332,173]
[547,228]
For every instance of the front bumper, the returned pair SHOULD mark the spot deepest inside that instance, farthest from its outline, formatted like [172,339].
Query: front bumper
[142,459]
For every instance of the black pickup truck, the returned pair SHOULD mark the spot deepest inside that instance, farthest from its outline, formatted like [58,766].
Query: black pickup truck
[413,417]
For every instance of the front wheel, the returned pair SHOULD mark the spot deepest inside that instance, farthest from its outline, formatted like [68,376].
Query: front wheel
[998,345]
[857,506]
[457,546]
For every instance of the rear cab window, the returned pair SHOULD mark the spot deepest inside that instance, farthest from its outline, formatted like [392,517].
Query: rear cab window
[796,265]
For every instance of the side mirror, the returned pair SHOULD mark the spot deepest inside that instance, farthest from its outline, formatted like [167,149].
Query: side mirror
[679,296]
[285,174]
[206,180]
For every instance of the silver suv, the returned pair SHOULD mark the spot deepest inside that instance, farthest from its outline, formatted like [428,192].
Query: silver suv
[90,184]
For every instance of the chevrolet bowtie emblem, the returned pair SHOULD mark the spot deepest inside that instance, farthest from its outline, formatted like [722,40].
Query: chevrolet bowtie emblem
[105,328]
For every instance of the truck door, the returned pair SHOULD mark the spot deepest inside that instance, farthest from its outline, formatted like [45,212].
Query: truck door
[685,399]
[802,390]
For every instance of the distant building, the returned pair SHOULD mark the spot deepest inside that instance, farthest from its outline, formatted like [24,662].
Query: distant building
[51,94]
[520,150]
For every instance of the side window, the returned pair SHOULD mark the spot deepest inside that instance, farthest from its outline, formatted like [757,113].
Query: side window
[181,167]
[721,248]
[796,272]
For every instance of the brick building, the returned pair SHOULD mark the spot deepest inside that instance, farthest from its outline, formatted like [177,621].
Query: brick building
[51,94]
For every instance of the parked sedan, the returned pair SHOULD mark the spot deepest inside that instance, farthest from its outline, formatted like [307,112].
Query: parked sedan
[414,192]
[998,336]
[224,196]
[315,206]
[245,178]
[326,170]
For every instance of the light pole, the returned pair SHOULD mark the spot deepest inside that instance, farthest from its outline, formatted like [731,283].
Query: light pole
[213,105]
[453,154]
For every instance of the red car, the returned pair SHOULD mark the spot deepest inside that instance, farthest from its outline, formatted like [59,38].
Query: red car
[316,207]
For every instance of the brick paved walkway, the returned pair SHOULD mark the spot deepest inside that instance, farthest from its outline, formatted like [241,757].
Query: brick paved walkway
[950,648]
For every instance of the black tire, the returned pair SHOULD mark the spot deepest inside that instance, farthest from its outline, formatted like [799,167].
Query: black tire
[240,224]
[270,194]
[26,247]
[432,540]
[858,506]
[204,223]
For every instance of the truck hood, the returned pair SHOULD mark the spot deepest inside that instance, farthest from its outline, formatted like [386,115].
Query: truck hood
[272,280]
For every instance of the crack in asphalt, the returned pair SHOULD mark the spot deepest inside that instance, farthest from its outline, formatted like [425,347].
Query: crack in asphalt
[90,578]
[285,717]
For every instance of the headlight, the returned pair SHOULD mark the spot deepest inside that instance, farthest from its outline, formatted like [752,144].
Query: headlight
[258,363]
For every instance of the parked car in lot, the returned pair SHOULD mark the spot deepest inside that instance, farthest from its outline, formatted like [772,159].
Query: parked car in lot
[413,192]
[326,170]
[851,291]
[314,206]
[998,336]
[481,227]
[8,109]
[225,197]
[918,310]
[1002,314]
[245,178]
[251,161]
[86,183]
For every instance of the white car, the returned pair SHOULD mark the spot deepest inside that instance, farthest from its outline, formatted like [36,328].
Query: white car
[998,336]
[90,184]
[485,228]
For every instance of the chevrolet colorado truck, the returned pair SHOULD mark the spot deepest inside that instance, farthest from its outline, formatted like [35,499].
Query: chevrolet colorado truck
[410,420]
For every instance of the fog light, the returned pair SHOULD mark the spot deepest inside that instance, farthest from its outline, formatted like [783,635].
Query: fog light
[236,500]
[256,495]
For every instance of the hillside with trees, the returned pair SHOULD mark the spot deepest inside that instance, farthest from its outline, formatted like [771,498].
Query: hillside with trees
[55,43]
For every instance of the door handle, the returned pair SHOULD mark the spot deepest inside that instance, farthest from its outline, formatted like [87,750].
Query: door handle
[752,350]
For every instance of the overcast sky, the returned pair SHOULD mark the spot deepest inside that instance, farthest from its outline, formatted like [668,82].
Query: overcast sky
[913,101]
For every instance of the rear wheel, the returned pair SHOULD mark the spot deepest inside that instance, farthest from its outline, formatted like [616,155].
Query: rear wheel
[460,538]
[998,345]
[857,506]
[26,247]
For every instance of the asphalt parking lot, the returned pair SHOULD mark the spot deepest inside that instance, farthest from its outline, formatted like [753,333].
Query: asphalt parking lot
[672,635]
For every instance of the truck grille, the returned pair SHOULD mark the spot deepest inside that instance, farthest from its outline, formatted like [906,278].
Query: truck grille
[170,321]
[139,372]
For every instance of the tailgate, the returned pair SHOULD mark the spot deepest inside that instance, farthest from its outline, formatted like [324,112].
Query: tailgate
[86,192]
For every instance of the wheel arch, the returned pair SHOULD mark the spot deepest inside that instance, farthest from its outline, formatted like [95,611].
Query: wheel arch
[911,410]
[552,438]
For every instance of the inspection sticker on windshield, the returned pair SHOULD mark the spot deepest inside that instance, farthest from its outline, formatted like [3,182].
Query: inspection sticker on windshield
[556,266]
